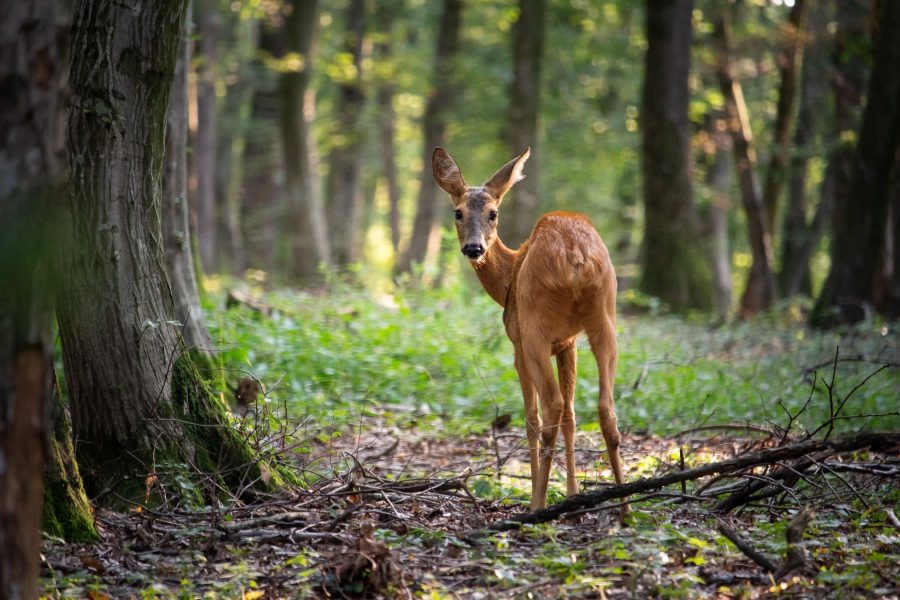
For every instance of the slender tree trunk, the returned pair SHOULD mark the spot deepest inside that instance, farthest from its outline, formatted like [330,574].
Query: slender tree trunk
[237,109]
[306,232]
[789,61]
[139,408]
[674,268]
[176,219]
[797,234]
[345,202]
[385,98]
[32,82]
[759,293]
[425,241]
[858,243]
[719,181]
[208,30]
[525,93]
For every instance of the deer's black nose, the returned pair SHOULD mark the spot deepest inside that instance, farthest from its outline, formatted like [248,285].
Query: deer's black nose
[473,250]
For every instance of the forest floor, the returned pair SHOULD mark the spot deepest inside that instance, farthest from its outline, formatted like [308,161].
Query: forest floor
[398,502]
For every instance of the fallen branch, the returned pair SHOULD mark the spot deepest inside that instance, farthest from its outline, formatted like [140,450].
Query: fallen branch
[877,441]
[748,550]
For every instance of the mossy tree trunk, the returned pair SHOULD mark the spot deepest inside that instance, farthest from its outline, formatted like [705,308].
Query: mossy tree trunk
[675,268]
[33,44]
[139,408]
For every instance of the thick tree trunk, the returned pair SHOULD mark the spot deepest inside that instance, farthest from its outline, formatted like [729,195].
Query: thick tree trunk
[759,293]
[528,50]
[425,241]
[139,408]
[345,199]
[790,58]
[32,81]
[674,267]
[306,233]
[208,30]
[858,244]
[176,219]
[797,234]
[384,95]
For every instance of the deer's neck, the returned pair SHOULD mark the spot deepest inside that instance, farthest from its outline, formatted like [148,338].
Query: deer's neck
[495,271]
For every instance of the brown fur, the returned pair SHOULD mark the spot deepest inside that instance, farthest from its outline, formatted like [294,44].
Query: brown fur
[559,283]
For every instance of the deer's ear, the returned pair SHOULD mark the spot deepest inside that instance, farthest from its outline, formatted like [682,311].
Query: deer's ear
[447,174]
[507,175]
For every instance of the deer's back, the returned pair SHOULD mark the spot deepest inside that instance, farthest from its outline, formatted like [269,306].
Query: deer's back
[563,276]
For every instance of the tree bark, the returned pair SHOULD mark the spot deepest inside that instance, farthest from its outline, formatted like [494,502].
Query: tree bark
[858,243]
[236,112]
[385,98]
[140,411]
[759,293]
[306,235]
[719,181]
[208,30]
[674,268]
[798,236]
[789,60]
[176,221]
[344,186]
[33,44]
[525,93]
[425,241]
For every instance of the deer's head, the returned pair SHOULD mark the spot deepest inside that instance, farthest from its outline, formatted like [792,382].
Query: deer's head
[476,208]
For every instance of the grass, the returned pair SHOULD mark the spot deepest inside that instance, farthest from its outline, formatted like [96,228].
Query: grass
[444,352]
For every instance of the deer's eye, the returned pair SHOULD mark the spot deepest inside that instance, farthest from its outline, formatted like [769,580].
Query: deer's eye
[493,215]
[458,214]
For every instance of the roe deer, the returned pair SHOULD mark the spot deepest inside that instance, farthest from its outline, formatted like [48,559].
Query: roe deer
[559,283]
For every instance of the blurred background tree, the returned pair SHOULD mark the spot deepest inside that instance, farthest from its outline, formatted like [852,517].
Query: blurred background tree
[769,90]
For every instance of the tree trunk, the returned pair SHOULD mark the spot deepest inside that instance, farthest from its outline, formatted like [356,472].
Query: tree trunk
[674,267]
[759,293]
[32,81]
[385,16]
[140,411]
[719,181]
[858,243]
[236,112]
[528,50]
[208,29]
[345,201]
[425,241]
[790,58]
[176,220]
[306,234]
[797,235]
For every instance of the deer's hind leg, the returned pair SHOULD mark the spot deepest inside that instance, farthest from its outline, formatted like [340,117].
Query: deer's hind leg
[566,368]
[602,335]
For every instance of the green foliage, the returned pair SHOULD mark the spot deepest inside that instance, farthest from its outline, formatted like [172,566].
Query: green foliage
[444,352]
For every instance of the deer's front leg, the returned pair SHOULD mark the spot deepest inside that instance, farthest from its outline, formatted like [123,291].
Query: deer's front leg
[532,421]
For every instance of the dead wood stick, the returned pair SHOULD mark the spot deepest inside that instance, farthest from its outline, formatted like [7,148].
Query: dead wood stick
[879,441]
[748,550]
[272,519]
[796,555]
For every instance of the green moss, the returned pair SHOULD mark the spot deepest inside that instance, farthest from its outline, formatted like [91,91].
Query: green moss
[66,512]
[218,447]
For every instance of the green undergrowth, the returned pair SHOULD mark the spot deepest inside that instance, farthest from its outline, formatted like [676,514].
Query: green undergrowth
[331,357]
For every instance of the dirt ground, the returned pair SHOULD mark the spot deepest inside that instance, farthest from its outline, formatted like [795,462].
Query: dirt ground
[400,512]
